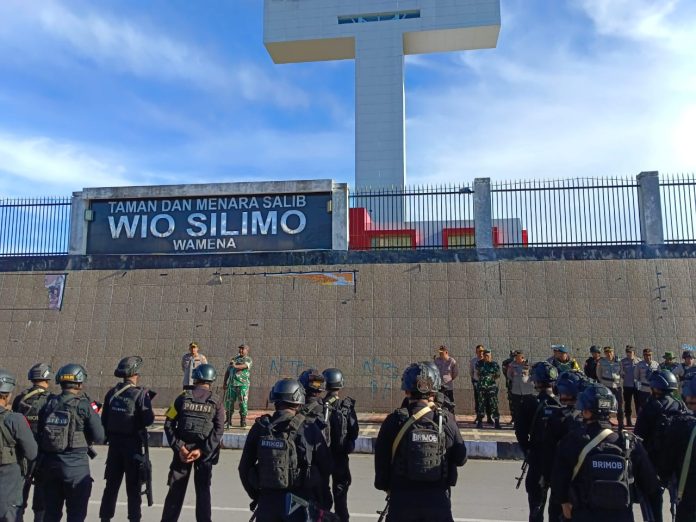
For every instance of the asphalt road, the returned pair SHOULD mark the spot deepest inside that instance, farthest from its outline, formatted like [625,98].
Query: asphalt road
[485,492]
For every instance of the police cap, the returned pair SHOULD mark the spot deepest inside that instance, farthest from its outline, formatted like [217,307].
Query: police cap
[595,349]
[312,380]
[287,390]
[128,366]
[663,380]
[7,381]
[688,354]
[333,378]
[39,372]
[204,373]
[598,399]
[71,374]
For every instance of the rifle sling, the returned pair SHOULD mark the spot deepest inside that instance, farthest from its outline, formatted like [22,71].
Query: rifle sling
[586,450]
[412,419]
[686,466]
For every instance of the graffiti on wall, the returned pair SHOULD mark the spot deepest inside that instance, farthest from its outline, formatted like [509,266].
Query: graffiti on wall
[287,366]
[383,374]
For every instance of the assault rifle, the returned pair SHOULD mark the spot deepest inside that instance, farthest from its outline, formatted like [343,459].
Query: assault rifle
[145,468]
[645,507]
[673,497]
[525,465]
[383,514]
[298,509]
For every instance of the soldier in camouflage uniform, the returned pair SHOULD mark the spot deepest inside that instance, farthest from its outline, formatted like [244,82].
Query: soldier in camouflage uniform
[488,372]
[236,386]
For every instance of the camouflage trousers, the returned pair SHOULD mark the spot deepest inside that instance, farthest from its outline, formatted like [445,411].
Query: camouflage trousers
[234,394]
[487,402]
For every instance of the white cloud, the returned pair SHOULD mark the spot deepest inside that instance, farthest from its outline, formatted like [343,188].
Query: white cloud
[531,109]
[40,165]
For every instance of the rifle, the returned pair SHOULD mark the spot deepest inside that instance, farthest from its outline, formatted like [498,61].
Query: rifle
[673,498]
[525,465]
[645,507]
[383,514]
[253,507]
[301,510]
[145,468]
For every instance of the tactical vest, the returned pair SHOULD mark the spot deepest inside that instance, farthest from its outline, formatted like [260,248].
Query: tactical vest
[319,413]
[340,413]
[195,419]
[62,426]
[420,456]
[8,453]
[122,410]
[605,477]
[30,405]
[281,463]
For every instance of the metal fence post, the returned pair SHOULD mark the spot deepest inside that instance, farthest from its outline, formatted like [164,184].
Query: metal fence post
[77,244]
[483,220]
[650,208]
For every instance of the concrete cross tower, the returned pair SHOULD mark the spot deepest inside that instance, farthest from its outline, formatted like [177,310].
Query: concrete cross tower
[377,34]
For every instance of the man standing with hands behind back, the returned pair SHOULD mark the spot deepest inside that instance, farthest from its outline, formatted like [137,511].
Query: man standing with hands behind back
[448,369]
[189,362]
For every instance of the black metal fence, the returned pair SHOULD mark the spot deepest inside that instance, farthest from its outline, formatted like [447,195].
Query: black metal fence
[566,212]
[678,195]
[413,217]
[34,227]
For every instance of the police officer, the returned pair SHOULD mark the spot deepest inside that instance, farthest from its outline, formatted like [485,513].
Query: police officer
[126,415]
[344,431]
[609,374]
[643,371]
[29,404]
[68,426]
[562,360]
[194,426]
[534,437]
[504,366]
[661,403]
[595,467]
[629,365]
[591,363]
[17,445]
[314,408]
[679,445]
[417,452]
[284,454]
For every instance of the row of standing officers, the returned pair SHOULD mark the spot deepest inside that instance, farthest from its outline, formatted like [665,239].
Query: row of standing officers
[290,457]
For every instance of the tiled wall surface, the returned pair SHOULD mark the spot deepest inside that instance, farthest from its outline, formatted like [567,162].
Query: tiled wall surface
[398,313]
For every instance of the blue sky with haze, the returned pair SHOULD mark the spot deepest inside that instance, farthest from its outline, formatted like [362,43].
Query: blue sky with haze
[171,91]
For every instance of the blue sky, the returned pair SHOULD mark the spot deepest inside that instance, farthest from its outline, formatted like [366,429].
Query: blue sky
[171,91]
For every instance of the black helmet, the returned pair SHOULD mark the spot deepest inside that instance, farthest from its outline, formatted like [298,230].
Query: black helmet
[71,374]
[333,378]
[663,380]
[39,372]
[128,366]
[311,380]
[689,388]
[204,373]
[568,383]
[7,382]
[287,390]
[435,372]
[420,379]
[598,399]
[544,373]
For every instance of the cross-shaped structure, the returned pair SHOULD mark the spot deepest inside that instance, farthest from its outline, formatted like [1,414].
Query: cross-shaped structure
[377,34]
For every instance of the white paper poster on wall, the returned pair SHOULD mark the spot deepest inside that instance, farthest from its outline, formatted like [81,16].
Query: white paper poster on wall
[55,284]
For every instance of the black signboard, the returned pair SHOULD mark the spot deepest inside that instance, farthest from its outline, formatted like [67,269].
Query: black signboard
[204,225]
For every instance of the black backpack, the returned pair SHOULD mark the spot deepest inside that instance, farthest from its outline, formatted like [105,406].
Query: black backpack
[343,435]
[279,464]
[420,455]
[61,431]
[30,405]
[607,475]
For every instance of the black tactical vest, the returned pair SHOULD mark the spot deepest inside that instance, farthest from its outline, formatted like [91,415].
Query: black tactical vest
[605,478]
[122,410]
[63,429]
[420,456]
[318,412]
[281,464]
[195,419]
[8,453]
[30,405]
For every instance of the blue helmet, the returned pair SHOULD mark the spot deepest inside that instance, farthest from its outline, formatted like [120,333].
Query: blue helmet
[420,379]
[544,373]
[569,383]
[663,380]
[598,399]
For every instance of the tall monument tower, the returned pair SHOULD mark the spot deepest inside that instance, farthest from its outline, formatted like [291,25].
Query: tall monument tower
[377,34]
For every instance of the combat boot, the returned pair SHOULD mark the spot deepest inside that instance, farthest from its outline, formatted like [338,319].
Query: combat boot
[629,422]
[489,420]
[479,424]
[242,422]
[497,424]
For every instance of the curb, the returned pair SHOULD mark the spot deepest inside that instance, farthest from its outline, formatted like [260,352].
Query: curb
[476,449]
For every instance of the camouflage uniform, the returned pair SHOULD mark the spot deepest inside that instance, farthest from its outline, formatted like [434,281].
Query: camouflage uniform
[237,387]
[487,389]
